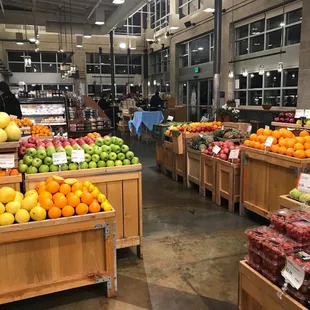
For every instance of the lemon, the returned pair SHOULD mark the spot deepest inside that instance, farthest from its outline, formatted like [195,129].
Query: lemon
[86,184]
[101,198]
[91,187]
[29,202]
[79,193]
[6,219]
[32,192]
[19,198]
[2,208]
[22,216]
[95,193]
[38,214]
[12,207]
[106,206]
[7,194]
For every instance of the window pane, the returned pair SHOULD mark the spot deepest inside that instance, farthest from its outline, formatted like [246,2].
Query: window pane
[91,89]
[35,67]
[92,58]
[105,59]
[294,16]
[275,22]
[48,57]
[61,57]
[241,95]
[256,80]
[121,70]
[255,97]
[200,50]
[293,35]
[242,81]
[120,89]
[136,19]
[35,57]
[242,32]
[272,97]
[135,70]
[290,77]
[49,87]
[242,47]
[135,60]
[17,67]
[66,87]
[90,68]
[120,59]
[105,69]
[273,39]
[193,6]
[34,87]
[257,27]
[272,79]
[15,56]
[257,43]
[290,97]
[51,68]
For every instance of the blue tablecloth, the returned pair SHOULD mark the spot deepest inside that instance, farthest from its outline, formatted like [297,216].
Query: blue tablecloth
[146,118]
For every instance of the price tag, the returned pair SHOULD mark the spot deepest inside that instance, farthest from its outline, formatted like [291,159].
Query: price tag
[299,113]
[13,116]
[303,183]
[7,161]
[293,273]
[234,154]
[267,127]
[249,130]
[290,129]
[59,158]
[222,127]
[170,118]
[216,149]
[269,141]
[307,113]
[78,156]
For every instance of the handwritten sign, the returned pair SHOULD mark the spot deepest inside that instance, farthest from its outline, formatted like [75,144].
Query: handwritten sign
[303,183]
[170,118]
[299,113]
[269,141]
[7,161]
[78,156]
[59,158]
[234,154]
[216,149]
[249,130]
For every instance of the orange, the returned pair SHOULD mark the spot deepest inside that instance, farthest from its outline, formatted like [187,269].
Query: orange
[304,133]
[77,186]
[307,145]
[262,139]
[275,141]
[289,152]
[298,146]
[283,142]
[94,207]
[52,187]
[46,203]
[307,138]
[260,131]
[45,194]
[307,153]
[253,137]
[49,180]
[300,154]
[282,150]
[39,184]
[262,146]
[247,143]
[87,198]
[57,195]
[286,134]
[81,209]
[67,211]
[267,132]
[290,142]
[256,145]
[41,189]
[60,201]
[54,213]
[70,181]
[73,200]
[65,189]
[301,140]
[79,193]
[275,148]
[276,134]
[58,179]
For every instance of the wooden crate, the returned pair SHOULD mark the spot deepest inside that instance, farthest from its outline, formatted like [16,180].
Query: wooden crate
[168,156]
[288,203]
[193,168]
[258,293]
[39,258]
[180,140]
[240,126]
[179,166]
[265,176]
[208,175]
[13,181]
[123,188]
[159,148]
[227,183]
[7,148]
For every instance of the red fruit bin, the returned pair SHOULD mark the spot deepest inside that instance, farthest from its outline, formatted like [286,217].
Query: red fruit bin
[257,234]
[299,230]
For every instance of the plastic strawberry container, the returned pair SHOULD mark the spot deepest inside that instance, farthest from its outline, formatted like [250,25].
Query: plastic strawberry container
[300,297]
[299,230]
[273,266]
[270,276]
[302,259]
[257,234]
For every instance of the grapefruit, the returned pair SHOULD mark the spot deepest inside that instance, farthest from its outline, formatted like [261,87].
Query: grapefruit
[22,216]
[2,208]
[38,214]
[29,202]
[6,219]
[7,194]
[12,207]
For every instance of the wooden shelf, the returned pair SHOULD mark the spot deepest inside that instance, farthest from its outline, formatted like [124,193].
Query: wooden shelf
[290,125]
[260,109]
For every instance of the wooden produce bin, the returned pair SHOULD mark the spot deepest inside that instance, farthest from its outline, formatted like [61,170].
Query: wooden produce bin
[13,181]
[7,148]
[168,156]
[123,188]
[159,147]
[180,166]
[208,175]
[193,167]
[39,258]
[265,176]
[243,127]
[227,183]
[180,141]
[288,203]
[258,293]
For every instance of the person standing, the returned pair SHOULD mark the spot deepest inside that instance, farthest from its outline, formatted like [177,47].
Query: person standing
[8,102]
[156,103]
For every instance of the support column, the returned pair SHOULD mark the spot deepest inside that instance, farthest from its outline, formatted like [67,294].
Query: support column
[217,53]
[112,66]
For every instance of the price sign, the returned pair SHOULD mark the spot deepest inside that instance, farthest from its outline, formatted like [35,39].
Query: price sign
[216,149]
[170,118]
[299,113]
[303,183]
[269,141]
[222,127]
[59,158]
[267,127]
[249,130]
[293,273]
[307,113]
[78,156]
[234,154]
[7,161]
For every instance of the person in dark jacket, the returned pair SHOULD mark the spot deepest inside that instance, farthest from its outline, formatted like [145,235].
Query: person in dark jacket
[8,102]
[156,102]
[103,103]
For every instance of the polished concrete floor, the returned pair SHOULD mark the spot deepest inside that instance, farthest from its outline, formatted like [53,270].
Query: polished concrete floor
[191,253]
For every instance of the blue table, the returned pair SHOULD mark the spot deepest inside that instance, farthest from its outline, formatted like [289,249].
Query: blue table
[146,118]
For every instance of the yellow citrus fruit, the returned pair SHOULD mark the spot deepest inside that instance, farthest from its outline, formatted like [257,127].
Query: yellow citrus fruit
[29,202]
[6,219]
[2,208]
[7,194]
[106,206]
[86,184]
[12,207]
[38,214]
[101,198]
[32,192]
[22,216]
[91,187]
[79,193]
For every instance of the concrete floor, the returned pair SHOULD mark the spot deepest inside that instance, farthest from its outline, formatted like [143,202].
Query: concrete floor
[191,253]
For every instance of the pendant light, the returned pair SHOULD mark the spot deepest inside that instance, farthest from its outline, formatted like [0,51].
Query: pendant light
[245,72]
[261,70]
[27,61]
[231,74]
[280,66]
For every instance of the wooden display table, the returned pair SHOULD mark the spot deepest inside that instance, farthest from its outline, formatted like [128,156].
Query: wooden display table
[123,188]
[265,176]
[39,258]
[258,293]
[243,127]
[279,125]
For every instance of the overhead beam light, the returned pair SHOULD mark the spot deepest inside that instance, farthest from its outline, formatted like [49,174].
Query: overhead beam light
[174,21]
[79,41]
[19,38]
[209,10]
[123,45]
[132,45]
[99,17]
[118,1]
[87,31]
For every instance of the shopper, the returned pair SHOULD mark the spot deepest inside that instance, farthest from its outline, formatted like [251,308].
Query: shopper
[103,103]
[156,103]
[8,102]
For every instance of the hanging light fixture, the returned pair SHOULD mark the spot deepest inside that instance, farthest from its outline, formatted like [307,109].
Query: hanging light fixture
[174,21]
[27,61]
[123,45]
[280,66]
[245,72]
[99,17]
[79,41]
[261,70]
[231,74]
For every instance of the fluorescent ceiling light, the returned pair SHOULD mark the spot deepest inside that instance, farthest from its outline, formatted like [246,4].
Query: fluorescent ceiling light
[32,40]
[174,27]
[79,41]
[174,21]
[118,1]
[20,43]
[122,45]
[132,45]
[200,48]
[87,36]
[99,23]
[99,17]
[209,10]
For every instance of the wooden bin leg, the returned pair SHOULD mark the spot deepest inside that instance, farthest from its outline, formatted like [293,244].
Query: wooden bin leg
[110,243]
[140,247]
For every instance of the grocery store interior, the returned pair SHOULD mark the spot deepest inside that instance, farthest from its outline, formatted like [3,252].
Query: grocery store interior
[154,154]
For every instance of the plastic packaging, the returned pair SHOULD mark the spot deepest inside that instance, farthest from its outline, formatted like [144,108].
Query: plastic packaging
[270,276]
[257,234]
[299,230]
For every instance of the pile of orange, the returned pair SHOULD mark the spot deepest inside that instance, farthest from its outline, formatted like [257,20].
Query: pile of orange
[68,197]
[40,131]
[93,135]
[284,143]
[25,122]
[4,173]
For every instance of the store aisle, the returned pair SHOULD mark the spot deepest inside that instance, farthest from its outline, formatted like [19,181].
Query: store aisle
[191,254]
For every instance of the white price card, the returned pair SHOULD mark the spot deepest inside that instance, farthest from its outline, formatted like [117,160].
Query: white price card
[222,127]
[78,156]
[59,158]
[293,273]
[307,113]
[13,116]
[269,141]
[299,113]
[7,161]
[303,183]
[290,129]
[267,127]
[170,118]
[234,154]
[216,149]
[249,130]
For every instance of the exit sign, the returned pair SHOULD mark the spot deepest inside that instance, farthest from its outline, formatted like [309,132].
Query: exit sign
[196,69]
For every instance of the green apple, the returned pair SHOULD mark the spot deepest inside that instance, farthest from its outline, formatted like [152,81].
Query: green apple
[299,122]
[76,147]
[64,167]
[135,161]
[106,148]
[20,162]
[22,168]
[69,159]
[104,156]
[85,146]
[97,149]
[101,164]
[121,156]
[115,148]
[48,161]
[89,150]
[87,158]
[126,162]
[295,193]
[44,168]
[308,122]
[68,150]
[107,141]
[99,141]
[95,158]
[32,170]
[37,162]
[41,153]
[60,149]
[110,163]
[50,151]
[114,140]
[31,152]
[73,166]
[118,163]
[130,155]
[119,141]
[84,165]
[112,156]
[53,168]
[92,165]
[124,148]
[27,159]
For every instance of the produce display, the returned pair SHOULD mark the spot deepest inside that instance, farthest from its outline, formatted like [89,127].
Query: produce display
[54,198]
[297,195]
[285,118]
[24,122]
[284,142]
[7,172]
[41,131]
[228,134]
[197,127]
[9,131]
[37,155]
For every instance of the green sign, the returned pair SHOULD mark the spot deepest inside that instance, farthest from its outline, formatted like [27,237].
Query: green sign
[196,69]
